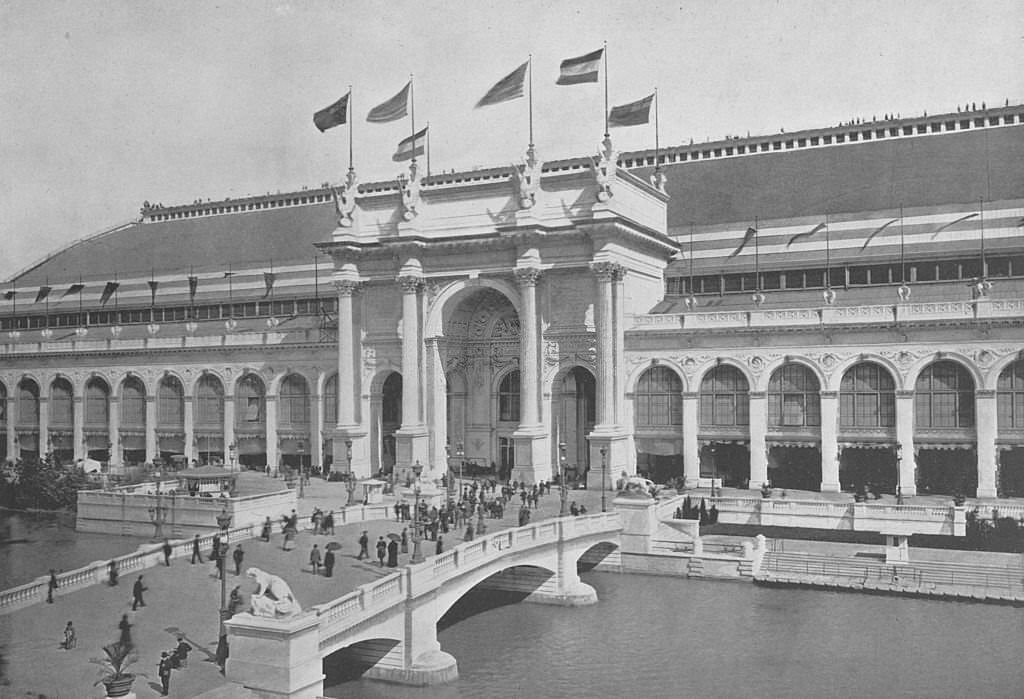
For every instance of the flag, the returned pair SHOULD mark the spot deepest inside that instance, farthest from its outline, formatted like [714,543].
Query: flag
[411,146]
[334,115]
[108,291]
[8,295]
[193,282]
[268,280]
[508,88]
[952,223]
[395,108]
[44,291]
[73,289]
[631,114]
[805,234]
[877,231]
[747,237]
[582,69]
[153,284]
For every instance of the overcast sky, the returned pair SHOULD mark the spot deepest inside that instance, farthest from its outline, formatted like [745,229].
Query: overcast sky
[106,104]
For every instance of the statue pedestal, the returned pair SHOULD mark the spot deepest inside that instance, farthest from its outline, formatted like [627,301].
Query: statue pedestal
[276,657]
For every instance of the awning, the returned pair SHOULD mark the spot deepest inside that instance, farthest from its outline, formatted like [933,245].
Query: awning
[658,447]
[944,446]
[883,446]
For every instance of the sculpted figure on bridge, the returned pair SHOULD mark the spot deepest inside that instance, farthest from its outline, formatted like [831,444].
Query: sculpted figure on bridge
[273,598]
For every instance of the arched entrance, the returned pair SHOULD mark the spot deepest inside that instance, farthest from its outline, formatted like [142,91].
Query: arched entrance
[944,429]
[133,420]
[794,428]
[97,419]
[386,409]
[658,424]
[1010,437]
[867,429]
[574,414]
[725,426]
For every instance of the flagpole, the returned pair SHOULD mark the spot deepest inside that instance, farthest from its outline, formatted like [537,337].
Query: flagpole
[351,126]
[605,52]
[903,267]
[426,148]
[529,62]
[657,143]
[981,205]
[412,115]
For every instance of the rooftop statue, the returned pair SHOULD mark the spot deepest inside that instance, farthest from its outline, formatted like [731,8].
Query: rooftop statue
[345,199]
[273,598]
[526,178]
[604,169]
[410,187]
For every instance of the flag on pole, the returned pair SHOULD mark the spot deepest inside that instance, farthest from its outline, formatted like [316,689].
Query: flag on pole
[395,108]
[73,289]
[268,281]
[334,115]
[877,231]
[631,114]
[193,283]
[508,88]
[953,223]
[108,291]
[411,146]
[43,292]
[748,236]
[153,284]
[8,295]
[806,234]
[582,69]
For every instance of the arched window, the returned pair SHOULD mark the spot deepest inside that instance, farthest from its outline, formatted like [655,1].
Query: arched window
[97,406]
[293,401]
[170,402]
[724,397]
[209,402]
[133,402]
[331,401]
[944,396]
[793,399]
[28,403]
[508,397]
[867,397]
[62,408]
[1010,397]
[250,402]
[658,399]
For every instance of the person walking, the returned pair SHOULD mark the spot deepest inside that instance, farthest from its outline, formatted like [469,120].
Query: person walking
[329,563]
[267,526]
[392,554]
[329,523]
[112,574]
[364,546]
[469,532]
[314,559]
[164,670]
[126,631]
[53,585]
[382,550]
[70,639]
[238,555]
[137,589]
[166,548]
[179,656]
[440,546]
[196,553]
[405,540]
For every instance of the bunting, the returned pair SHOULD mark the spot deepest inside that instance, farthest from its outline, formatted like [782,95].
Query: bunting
[393,109]
[43,292]
[334,115]
[747,237]
[108,291]
[8,295]
[508,88]
[268,281]
[805,234]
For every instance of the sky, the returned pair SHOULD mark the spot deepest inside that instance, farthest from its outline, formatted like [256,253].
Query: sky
[106,104]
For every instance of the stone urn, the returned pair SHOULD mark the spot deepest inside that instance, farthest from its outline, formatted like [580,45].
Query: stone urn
[119,686]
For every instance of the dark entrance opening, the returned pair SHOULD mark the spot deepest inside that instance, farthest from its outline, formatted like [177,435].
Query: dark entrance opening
[947,471]
[863,467]
[798,468]
[658,467]
[730,462]
[1011,473]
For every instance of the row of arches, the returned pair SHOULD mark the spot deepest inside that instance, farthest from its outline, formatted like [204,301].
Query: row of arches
[111,421]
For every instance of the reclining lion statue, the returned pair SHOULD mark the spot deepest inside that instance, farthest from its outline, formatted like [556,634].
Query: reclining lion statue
[273,598]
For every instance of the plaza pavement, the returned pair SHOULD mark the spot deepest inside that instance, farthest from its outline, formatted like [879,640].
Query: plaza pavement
[185,598]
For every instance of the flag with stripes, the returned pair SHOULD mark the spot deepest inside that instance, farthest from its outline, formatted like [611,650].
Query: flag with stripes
[193,284]
[8,295]
[877,231]
[582,69]
[805,234]
[411,146]
[632,114]
[268,281]
[73,289]
[747,237]
[108,291]
[395,108]
[508,88]
[43,292]
[153,284]
[334,115]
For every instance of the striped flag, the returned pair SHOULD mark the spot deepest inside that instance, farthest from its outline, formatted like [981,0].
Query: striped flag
[334,115]
[953,223]
[8,295]
[747,237]
[877,231]
[508,88]
[582,69]
[268,281]
[632,114]
[395,108]
[411,146]
[73,289]
[108,291]
[43,292]
[805,234]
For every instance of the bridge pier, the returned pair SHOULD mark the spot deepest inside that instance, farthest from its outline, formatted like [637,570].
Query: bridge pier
[276,658]
[421,662]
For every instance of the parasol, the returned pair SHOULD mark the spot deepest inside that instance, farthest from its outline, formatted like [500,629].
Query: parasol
[333,546]
[394,537]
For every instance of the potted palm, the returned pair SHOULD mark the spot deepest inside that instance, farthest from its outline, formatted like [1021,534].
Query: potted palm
[114,675]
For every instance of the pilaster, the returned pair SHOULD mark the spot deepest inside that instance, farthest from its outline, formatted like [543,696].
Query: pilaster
[829,441]
[988,456]
[152,450]
[13,452]
[691,448]
[190,429]
[78,426]
[230,415]
[412,438]
[907,462]
[533,450]
[758,439]
[116,455]
[272,440]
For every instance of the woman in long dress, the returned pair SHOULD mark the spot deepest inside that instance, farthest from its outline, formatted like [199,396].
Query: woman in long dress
[289,539]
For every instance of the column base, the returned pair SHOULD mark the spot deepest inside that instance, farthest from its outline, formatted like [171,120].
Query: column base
[986,492]
[830,487]
[605,470]
[412,445]
[361,466]
[580,595]
[435,667]
[533,455]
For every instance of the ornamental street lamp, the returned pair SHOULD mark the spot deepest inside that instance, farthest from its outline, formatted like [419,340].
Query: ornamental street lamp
[604,475]
[224,522]
[460,454]
[561,478]
[449,474]
[302,470]
[350,483]
[158,515]
[417,539]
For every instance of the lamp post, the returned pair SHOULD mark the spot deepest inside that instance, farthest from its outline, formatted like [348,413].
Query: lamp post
[449,475]
[460,454]
[350,482]
[224,522]
[604,475]
[417,553]
[302,470]
[158,515]
[561,478]
[899,477]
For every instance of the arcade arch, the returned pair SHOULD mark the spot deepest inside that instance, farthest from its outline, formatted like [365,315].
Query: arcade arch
[208,408]
[96,410]
[250,421]
[658,423]
[944,431]
[724,425]
[1010,434]
[867,429]
[794,428]
[133,425]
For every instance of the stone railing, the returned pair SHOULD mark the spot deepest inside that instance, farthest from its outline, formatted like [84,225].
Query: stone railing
[175,339]
[416,579]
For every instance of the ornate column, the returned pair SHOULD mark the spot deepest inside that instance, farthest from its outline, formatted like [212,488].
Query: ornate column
[437,408]
[607,434]
[347,284]
[829,441]
[316,425]
[412,439]
[988,456]
[78,422]
[273,445]
[907,463]
[116,456]
[43,440]
[533,455]
[758,442]
[346,287]
[152,445]
[13,451]
[230,413]
[619,345]
[691,448]
[190,428]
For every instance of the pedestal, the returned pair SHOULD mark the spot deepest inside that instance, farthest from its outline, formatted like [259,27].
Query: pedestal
[604,471]
[533,455]
[897,549]
[276,657]
[360,451]
[412,444]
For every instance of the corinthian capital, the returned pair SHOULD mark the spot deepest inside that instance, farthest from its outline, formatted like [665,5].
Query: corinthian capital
[607,271]
[527,276]
[346,287]
[410,283]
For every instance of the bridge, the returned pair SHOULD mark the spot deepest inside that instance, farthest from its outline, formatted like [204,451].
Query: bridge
[391,624]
